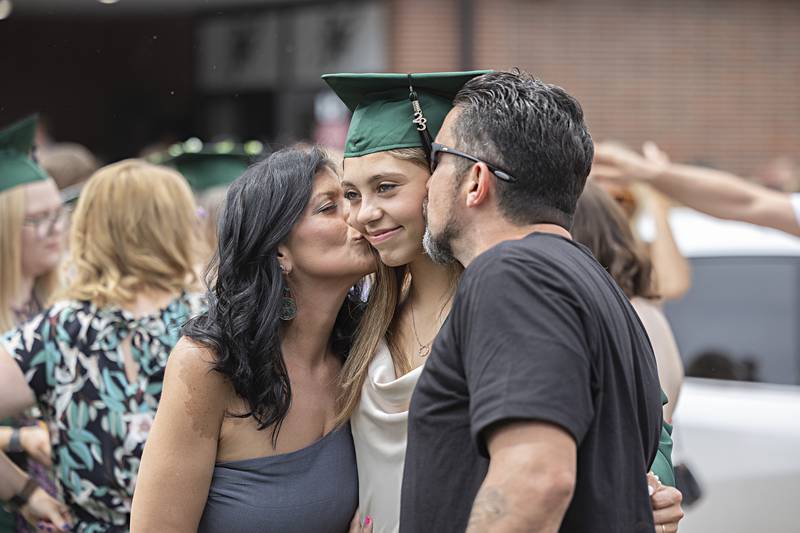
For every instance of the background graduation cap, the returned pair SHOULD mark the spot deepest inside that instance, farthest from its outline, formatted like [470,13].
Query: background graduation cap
[208,165]
[16,165]
[392,111]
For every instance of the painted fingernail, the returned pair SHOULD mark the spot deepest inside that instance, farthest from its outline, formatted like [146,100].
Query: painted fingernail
[650,490]
[367,520]
[66,527]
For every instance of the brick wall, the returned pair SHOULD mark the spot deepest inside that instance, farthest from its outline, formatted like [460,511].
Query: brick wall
[424,35]
[710,80]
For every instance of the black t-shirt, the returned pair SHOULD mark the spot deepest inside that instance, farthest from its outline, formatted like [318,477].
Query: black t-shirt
[538,331]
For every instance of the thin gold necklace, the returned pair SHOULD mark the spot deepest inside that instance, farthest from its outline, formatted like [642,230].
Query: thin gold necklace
[424,349]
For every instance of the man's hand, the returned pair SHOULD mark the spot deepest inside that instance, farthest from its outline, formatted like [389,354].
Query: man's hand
[666,503]
[617,163]
[45,512]
[35,440]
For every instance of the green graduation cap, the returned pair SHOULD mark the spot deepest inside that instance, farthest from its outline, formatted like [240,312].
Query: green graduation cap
[16,165]
[393,111]
[207,165]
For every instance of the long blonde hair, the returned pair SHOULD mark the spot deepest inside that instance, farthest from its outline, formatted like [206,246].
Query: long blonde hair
[135,226]
[211,203]
[386,295]
[12,213]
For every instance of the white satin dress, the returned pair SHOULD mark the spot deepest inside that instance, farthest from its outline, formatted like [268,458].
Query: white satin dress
[380,431]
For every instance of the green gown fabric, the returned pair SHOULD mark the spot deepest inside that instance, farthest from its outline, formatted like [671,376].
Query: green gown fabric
[662,464]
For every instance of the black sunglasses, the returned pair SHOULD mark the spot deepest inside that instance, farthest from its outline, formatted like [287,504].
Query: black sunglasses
[437,148]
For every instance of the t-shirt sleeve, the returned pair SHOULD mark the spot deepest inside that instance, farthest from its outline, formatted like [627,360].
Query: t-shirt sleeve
[33,347]
[525,352]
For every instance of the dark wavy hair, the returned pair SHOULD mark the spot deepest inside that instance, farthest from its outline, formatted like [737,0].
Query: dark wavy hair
[245,283]
[601,225]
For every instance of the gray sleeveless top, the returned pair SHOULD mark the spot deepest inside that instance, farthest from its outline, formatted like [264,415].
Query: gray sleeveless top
[312,489]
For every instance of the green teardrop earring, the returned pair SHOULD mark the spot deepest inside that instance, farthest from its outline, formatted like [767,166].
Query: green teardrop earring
[288,305]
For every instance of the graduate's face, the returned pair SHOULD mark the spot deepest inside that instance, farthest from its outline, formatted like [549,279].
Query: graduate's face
[322,245]
[386,195]
[43,229]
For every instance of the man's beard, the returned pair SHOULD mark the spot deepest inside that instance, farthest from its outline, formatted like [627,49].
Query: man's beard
[439,247]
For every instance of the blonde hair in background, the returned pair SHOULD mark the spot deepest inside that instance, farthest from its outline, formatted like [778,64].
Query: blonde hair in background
[211,202]
[379,320]
[12,214]
[135,226]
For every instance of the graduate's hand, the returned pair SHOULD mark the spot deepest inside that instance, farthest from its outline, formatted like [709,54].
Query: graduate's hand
[46,513]
[356,524]
[666,503]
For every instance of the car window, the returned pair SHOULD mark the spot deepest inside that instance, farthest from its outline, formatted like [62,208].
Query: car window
[739,320]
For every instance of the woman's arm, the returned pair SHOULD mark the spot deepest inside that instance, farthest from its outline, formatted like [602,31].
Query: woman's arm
[668,358]
[34,441]
[672,272]
[714,192]
[178,460]
[12,479]
[15,394]
[40,506]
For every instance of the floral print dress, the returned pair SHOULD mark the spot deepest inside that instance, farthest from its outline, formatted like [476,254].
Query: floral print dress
[39,473]
[72,357]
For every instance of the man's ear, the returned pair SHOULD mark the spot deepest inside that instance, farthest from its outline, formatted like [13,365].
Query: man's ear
[479,183]
[284,259]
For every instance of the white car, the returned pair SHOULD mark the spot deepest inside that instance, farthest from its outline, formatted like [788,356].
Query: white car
[738,427]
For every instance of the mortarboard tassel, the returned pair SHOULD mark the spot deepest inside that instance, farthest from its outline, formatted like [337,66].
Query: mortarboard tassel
[420,120]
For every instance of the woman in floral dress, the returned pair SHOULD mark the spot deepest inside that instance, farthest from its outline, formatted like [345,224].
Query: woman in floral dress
[94,361]
[32,222]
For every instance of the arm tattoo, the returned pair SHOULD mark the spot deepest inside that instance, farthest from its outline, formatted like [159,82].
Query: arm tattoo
[488,508]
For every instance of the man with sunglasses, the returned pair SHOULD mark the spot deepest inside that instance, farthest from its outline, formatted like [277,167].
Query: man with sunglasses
[539,407]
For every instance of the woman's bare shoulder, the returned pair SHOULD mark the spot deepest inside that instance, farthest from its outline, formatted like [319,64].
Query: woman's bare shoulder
[194,364]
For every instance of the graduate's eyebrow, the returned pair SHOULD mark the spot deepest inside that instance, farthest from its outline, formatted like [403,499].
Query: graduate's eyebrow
[376,177]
